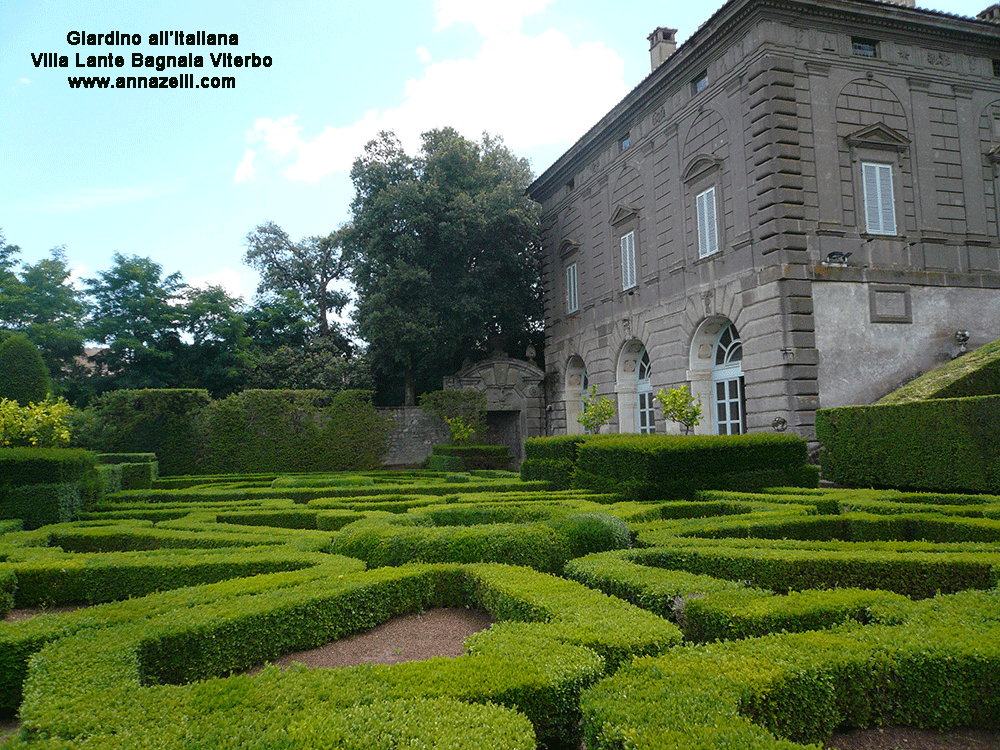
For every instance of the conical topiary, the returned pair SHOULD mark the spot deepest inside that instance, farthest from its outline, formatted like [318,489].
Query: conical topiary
[23,375]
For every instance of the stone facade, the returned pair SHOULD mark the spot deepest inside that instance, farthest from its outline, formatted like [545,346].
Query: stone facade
[515,400]
[797,209]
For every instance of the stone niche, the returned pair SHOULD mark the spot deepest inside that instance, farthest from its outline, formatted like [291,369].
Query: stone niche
[515,400]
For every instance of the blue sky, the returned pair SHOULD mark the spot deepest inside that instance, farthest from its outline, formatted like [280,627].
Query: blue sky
[181,175]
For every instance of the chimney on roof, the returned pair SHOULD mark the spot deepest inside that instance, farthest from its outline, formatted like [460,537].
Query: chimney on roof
[990,14]
[662,45]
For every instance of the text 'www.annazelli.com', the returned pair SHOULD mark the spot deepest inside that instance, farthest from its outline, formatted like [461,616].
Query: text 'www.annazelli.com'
[183,81]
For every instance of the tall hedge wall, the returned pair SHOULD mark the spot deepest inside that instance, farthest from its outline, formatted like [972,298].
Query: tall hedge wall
[946,445]
[279,431]
[160,421]
[46,485]
[250,432]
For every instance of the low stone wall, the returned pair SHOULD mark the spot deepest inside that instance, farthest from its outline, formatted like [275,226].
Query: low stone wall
[413,434]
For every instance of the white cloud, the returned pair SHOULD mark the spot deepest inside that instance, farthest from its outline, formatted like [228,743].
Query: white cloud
[232,281]
[499,91]
[488,16]
[281,136]
[245,171]
[423,55]
[25,81]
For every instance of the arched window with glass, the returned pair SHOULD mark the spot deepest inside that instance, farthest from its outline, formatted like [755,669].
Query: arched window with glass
[646,401]
[727,380]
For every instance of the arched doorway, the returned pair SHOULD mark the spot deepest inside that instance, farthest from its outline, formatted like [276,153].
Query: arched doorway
[716,376]
[636,412]
[576,388]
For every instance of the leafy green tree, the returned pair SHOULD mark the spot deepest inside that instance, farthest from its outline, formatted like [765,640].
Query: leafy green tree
[11,302]
[680,406]
[444,257]
[53,312]
[23,377]
[315,365]
[138,315]
[218,356]
[463,411]
[303,270]
[596,412]
[40,301]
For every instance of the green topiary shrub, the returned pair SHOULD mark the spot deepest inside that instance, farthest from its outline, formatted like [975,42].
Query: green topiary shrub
[661,467]
[164,422]
[24,377]
[474,457]
[946,445]
[593,532]
[293,431]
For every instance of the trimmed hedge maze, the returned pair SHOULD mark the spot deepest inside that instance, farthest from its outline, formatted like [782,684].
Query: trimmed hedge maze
[711,619]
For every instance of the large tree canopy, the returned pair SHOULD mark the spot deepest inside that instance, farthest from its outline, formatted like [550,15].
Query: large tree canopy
[444,257]
[137,313]
[299,272]
[40,302]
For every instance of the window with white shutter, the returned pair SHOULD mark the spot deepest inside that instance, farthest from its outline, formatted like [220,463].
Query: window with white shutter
[572,304]
[880,208]
[628,260]
[708,226]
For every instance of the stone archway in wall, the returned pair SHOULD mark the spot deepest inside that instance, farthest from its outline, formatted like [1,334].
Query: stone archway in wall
[515,400]
[715,372]
[575,388]
[627,384]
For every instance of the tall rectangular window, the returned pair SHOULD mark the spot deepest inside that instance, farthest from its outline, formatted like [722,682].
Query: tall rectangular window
[628,260]
[572,304]
[708,226]
[880,208]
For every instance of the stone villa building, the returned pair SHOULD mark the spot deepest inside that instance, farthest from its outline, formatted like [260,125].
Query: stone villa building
[798,208]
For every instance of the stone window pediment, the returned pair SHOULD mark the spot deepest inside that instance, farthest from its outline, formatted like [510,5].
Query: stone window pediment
[622,213]
[701,167]
[568,246]
[878,137]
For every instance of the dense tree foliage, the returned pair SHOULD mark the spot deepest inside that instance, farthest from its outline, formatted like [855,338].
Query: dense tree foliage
[444,258]
[137,316]
[23,376]
[299,272]
[442,251]
[39,301]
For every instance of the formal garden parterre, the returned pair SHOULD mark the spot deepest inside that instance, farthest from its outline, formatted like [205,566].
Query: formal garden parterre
[635,608]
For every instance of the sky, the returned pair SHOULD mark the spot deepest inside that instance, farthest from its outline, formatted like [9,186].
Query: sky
[182,175]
